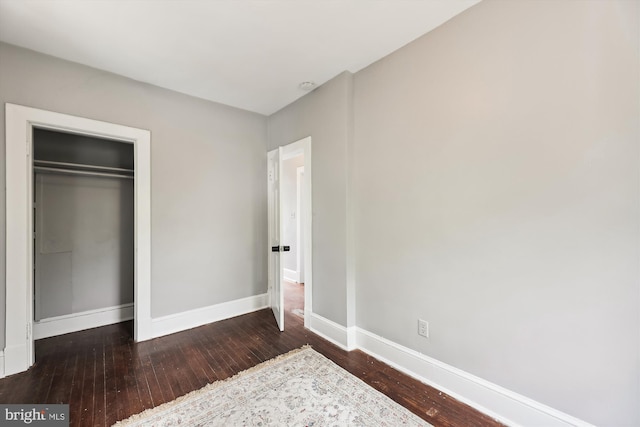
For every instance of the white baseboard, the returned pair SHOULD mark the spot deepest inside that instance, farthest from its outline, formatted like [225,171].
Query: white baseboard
[331,331]
[291,275]
[1,364]
[79,321]
[15,358]
[504,405]
[201,316]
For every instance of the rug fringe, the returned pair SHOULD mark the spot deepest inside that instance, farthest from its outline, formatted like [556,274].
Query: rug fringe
[212,386]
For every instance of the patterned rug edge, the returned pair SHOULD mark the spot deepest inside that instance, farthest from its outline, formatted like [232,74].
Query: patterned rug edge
[212,386]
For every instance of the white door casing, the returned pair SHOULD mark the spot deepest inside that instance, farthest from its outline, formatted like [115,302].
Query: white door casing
[20,121]
[300,223]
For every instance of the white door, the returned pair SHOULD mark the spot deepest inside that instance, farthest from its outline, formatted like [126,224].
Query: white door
[276,294]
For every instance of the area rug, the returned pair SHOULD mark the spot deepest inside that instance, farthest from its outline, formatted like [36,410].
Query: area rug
[300,388]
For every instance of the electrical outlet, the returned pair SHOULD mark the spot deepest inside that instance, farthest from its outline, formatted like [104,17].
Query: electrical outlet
[423,328]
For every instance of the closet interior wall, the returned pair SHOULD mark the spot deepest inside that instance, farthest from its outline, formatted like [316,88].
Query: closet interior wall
[84,224]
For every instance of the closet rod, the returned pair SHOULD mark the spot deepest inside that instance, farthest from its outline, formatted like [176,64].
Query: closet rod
[76,172]
[79,165]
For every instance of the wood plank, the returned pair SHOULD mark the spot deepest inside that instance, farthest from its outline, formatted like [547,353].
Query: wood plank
[76,387]
[88,396]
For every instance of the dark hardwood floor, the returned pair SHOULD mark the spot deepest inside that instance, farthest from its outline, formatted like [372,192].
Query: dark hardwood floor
[106,377]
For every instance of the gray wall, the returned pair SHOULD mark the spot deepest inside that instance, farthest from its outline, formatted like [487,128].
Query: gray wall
[486,176]
[84,244]
[324,115]
[208,168]
[498,157]
[69,148]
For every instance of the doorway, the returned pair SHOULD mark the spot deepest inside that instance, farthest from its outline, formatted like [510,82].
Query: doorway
[83,232]
[20,124]
[293,230]
[290,231]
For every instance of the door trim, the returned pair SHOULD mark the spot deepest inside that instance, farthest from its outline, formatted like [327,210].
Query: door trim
[300,187]
[20,121]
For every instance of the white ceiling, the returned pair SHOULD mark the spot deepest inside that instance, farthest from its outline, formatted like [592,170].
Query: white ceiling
[250,54]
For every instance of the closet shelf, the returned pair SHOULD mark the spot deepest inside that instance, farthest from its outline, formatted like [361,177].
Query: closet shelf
[47,166]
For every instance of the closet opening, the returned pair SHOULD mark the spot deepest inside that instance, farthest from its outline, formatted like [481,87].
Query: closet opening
[83,232]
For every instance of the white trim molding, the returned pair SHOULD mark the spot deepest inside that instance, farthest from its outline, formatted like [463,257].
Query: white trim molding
[178,322]
[299,273]
[20,122]
[333,332]
[59,325]
[1,364]
[504,405]
[291,275]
